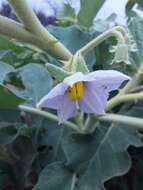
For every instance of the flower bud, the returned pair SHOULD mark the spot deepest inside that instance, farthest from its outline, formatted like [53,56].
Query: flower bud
[121,54]
[57,72]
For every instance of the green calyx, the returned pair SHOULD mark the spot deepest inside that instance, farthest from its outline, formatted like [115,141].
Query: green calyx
[121,54]
[76,64]
[57,72]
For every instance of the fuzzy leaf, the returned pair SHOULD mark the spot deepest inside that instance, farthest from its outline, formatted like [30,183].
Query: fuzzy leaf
[67,16]
[9,99]
[136,28]
[111,157]
[100,156]
[74,39]
[54,177]
[36,80]
[4,69]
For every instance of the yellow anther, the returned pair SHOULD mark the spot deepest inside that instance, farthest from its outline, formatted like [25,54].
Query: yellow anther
[76,91]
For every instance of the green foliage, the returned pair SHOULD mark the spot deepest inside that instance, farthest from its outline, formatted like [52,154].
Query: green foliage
[26,83]
[8,99]
[110,158]
[57,72]
[18,54]
[89,9]
[36,80]
[54,176]
[67,16]
[93,158]
[5,69]
[136,28]
[83,19]
[74,39]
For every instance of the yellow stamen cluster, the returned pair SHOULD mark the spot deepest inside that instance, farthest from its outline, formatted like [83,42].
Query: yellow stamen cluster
[76,91]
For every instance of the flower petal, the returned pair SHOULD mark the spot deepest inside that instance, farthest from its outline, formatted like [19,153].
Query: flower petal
[110,79]
[53,97]
[67,109]
[92,102]
[54,103]
[76,77]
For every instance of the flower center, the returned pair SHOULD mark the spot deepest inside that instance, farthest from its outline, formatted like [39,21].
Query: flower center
[76,91]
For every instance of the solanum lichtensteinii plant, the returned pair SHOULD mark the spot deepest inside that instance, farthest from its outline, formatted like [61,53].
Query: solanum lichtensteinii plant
[98,98]
[86,92]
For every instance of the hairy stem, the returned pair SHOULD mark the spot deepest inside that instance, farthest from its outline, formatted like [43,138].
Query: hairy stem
[28,17]
[121,119]
[123,95]
[89,124]
[99,39]
[114,118]
[124,98]
[121,29]
[137,79]
[47,115]
[46,41]
[12,29]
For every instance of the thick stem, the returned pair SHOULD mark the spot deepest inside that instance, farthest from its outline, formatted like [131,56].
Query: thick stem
[47,115]
[99,39]
[134,82]
[124,98]
[116,118]
[27,16]
[121,29]
[89,124]
[120,97]
[12,29]
[33,25]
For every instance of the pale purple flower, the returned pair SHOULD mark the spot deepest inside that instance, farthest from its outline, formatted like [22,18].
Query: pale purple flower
[88,92]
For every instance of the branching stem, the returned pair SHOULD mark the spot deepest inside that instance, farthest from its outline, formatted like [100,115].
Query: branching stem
[32,32]
[121,119]
[47,115]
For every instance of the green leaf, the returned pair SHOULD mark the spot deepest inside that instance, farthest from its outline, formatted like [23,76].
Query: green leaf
[8,98]
[80,148]
[74,39]
[18,54]
[111,157]
[89,9]
[4,69]
[36,80]
[100,156]
[54,177]
[67,16]
[136,28]
[52,137]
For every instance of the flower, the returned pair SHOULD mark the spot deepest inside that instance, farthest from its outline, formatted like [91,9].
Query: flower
[88,92]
